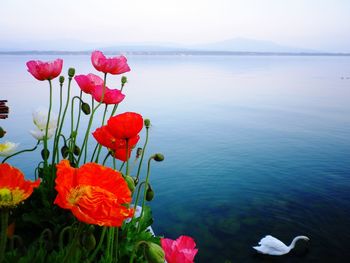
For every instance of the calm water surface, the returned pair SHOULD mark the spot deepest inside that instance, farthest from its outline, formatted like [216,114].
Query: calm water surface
[253,146]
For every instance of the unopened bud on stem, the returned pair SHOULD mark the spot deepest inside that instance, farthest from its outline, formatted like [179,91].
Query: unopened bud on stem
[154,253]
[85,108]
[147,123]
[71,72]
[124,80]
[158,157]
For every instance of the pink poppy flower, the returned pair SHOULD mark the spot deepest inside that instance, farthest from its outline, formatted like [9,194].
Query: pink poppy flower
[87,83]
[45,70]
[181,250]
[111,96]
[114,66]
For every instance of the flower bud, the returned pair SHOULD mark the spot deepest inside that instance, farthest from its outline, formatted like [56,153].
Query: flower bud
[45,153]
[147,123]
[61,79]
[2,132]
[154,253]
[71,72]
[130,181]
[64,151]
[158,157]
[124,80]
[85,108]
[149,193]
[88,241]
[76,150]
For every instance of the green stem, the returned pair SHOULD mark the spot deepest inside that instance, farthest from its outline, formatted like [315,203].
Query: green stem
[114,164]
[117,243]
[90,123]
[145,192]
[138,195]
[56,138]
[110,243]
[79,114]
[135,250]
[94,152]
[45,139]
[65,111]
[3,234]
[26,150]
[116,105]
[92,257]
[121,167]
[72,133]
[143,153]
[103,122]
[127,157]
[105,159]
[74,243]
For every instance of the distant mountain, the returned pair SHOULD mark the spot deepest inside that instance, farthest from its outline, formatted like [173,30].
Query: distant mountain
[231,45]
[249,45]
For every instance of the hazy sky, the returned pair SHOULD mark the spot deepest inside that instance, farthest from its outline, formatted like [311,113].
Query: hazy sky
[316,24]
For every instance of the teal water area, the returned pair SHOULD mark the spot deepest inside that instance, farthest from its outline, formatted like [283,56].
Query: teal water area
[253,146]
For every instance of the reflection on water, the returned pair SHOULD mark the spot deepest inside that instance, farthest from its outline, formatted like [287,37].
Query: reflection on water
[253,146]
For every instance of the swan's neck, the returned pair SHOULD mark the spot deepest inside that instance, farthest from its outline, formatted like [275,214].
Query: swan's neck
[291,246]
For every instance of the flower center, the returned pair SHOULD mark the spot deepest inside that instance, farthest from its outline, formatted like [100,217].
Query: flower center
[4,146]
[5,195]
[77,193]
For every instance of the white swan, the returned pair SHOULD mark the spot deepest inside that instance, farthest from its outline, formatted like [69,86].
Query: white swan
[272,246]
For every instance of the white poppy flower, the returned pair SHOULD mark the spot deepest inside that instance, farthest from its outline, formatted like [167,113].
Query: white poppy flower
[40,120]
[8,148]
[40,134]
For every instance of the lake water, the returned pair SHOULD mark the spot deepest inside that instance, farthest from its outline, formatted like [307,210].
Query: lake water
[254,145]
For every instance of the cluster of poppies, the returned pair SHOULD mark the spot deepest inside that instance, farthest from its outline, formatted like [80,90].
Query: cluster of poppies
[94,193]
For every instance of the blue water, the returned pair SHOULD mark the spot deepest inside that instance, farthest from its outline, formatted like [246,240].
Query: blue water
[253,146]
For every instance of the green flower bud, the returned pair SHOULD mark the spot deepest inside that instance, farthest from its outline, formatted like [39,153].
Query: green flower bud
[71,72]
[64,151]
[149,193]
[130,181]
[154,253]
[45,153]
[147,123]
[85,108]
[76,150]
[2,132]
[124,80]
[88,241]
[61,79]
[158,157]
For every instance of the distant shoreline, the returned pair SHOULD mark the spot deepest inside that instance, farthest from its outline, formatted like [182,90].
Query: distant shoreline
[179,53]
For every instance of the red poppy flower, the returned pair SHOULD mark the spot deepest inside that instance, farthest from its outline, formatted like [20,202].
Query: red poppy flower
[115,65]
[87,83]
[94,193]
[181,250]
[13,187]
[126,125]
[105,138]
[45,70]
[111,96]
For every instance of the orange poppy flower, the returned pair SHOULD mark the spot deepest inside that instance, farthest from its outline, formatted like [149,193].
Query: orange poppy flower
[13,187]
[94,193]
